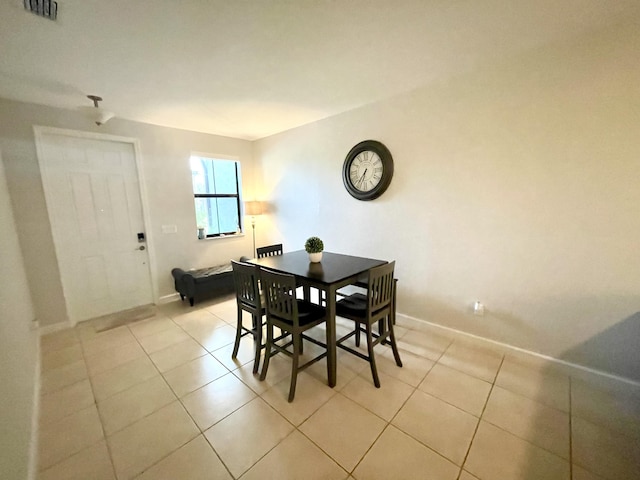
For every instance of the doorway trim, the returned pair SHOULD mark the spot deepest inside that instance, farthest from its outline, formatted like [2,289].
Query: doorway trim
[40,131]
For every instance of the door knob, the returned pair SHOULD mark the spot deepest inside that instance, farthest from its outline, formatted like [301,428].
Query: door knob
[141,247]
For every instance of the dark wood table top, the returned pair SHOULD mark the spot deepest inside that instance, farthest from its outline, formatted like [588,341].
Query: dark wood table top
[333,268]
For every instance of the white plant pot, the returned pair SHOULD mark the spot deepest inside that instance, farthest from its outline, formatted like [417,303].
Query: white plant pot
[315,257]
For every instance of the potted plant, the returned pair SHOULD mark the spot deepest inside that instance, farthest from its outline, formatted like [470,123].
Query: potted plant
[314,248]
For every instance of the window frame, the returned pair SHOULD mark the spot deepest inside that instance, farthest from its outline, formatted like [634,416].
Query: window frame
[237,196]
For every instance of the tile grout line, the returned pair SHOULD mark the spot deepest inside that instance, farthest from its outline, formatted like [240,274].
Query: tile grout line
[100,418]
[147,354]
[229,372]
[179,400]
[401,407]
[388,422]
[295,428]
[480,417]
[534,400]
[423,378]
[386,427]
[394,416]
[137,340]
[206,440]
[115,473]
[95,403]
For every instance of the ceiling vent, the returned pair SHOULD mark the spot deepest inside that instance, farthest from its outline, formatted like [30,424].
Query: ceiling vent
[43,8]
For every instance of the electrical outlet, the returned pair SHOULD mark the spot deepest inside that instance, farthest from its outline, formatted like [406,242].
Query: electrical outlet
[478,309]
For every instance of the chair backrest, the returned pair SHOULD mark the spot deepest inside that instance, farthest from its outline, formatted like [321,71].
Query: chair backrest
[269,251]
[280,295]
[245,279]
[380,292]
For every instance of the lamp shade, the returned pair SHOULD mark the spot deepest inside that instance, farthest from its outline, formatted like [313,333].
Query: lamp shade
[253,208]
[97,115]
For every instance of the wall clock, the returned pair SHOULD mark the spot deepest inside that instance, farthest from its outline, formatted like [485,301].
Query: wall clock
[367,170]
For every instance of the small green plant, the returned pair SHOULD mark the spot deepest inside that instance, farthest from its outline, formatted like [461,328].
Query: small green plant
[313,245]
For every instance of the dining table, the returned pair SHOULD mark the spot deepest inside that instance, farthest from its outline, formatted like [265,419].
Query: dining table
[332,273]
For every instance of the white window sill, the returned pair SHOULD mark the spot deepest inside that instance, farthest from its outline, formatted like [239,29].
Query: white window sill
[220,237]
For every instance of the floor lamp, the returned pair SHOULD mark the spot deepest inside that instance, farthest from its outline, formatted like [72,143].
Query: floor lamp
[253,208]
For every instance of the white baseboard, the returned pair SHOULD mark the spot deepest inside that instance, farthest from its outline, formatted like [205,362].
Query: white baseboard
[44,330]
[548,358]
[168,298]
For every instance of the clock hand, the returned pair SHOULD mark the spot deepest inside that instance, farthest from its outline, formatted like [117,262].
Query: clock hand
[362,177]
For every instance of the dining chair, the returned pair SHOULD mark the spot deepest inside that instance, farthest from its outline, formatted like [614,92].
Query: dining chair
[248,299]
[269,250]
[365,310]
[362,283]
[290,315]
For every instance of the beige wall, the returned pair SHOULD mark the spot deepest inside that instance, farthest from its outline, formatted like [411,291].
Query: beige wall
[18,350]
[517,185]
[167,177]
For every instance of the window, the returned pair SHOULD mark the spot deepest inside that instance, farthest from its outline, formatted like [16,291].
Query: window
[216,191]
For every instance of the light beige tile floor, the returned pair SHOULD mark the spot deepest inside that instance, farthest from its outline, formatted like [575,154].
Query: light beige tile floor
[162,398]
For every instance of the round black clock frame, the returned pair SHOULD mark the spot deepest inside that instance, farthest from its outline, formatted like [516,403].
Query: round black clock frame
[370,149]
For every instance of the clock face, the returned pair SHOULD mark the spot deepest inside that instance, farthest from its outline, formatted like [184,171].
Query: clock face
[367,170]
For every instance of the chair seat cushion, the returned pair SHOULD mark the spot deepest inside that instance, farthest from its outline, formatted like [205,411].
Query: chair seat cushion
[353,305]
[309,312]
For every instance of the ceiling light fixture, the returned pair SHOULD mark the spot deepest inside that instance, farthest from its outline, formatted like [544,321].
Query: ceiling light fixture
[96,113]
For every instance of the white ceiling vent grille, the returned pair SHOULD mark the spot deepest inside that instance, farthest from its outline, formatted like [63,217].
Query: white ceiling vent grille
[44,8]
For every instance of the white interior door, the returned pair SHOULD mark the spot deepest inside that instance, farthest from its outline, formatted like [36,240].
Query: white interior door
[93,197]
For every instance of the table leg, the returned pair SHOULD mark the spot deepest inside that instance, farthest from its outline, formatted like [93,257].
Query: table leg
[331,336]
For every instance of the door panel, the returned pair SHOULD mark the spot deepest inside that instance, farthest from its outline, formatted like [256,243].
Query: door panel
[92,192]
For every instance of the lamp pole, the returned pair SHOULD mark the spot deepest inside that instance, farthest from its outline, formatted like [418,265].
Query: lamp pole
[253,208]
[253,226]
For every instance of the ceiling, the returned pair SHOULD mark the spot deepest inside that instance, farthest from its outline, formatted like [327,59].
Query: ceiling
[249,69]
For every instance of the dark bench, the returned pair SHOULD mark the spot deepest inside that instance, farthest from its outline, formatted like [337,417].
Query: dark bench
[203,282]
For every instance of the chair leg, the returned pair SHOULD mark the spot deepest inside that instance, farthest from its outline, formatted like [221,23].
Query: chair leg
[392,340]
[357,334]
[382,331]
[297,341]
[267,352]
[238,334]
[372,358]
[257,326]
